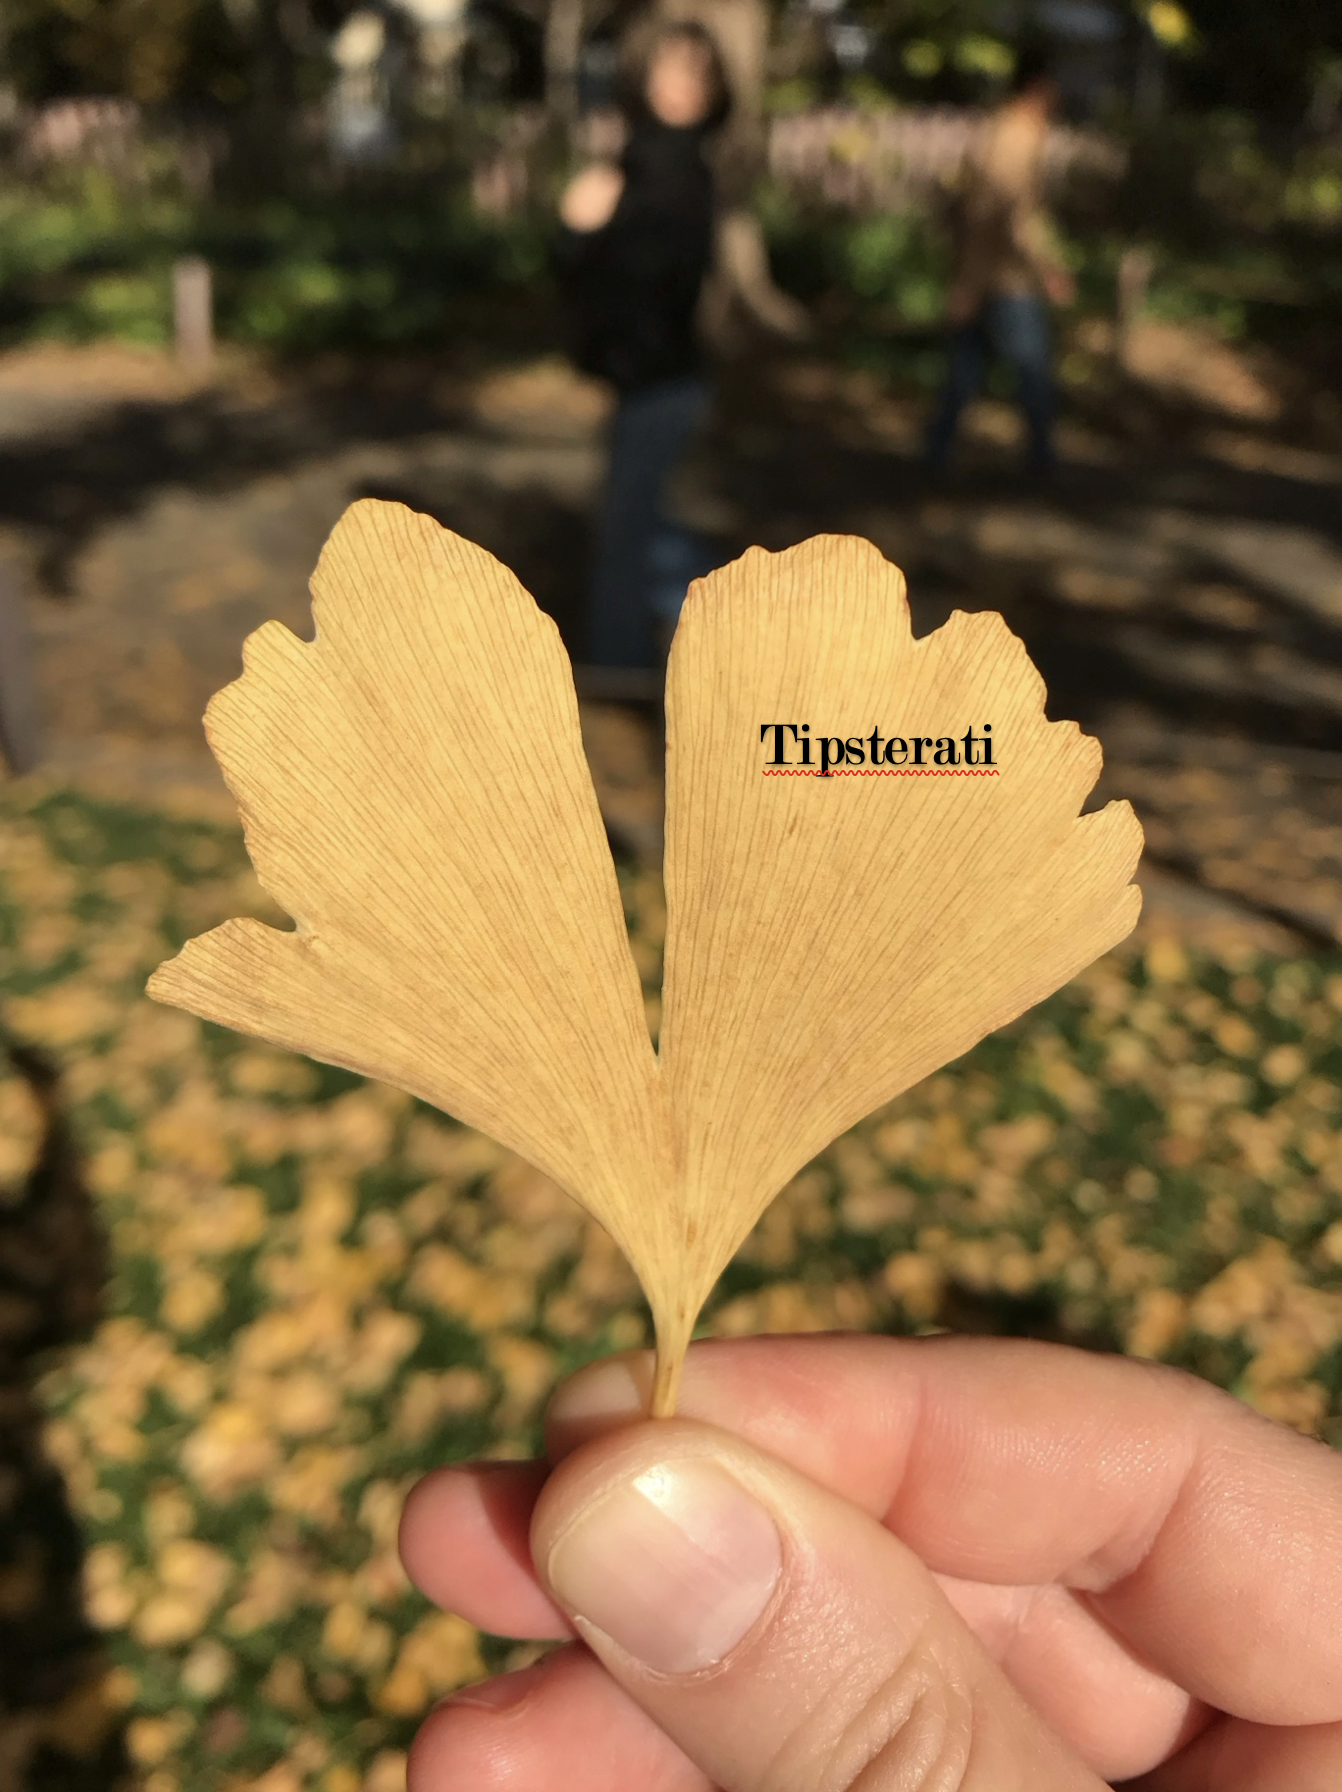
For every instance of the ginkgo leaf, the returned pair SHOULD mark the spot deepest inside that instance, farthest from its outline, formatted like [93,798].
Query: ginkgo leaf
[414,794]
[831,940]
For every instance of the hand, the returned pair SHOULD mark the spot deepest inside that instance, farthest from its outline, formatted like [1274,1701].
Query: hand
[1060,286]
[743,261]
[591,197]
[872,1563]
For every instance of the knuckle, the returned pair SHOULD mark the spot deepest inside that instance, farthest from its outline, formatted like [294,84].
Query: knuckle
[928,1746]
[906,1729]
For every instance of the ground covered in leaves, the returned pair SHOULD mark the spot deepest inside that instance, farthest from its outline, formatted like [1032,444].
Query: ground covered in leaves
[320,1287]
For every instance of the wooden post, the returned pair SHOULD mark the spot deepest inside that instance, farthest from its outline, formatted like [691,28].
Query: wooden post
[563,48]
[1135,268]
[193,311]
[20,745]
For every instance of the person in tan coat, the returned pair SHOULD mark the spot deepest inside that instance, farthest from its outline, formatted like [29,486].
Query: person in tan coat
[1007,269]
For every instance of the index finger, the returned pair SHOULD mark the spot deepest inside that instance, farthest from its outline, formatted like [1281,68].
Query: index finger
[1209,1539]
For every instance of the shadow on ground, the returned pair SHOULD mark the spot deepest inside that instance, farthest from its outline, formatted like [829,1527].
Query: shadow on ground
[1179,583]
[57,1729]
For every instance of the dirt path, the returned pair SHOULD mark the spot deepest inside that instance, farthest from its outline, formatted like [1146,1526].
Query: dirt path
[1179,584]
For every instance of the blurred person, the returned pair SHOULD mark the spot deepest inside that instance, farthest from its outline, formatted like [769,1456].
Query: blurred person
[636,247]
[1007,269]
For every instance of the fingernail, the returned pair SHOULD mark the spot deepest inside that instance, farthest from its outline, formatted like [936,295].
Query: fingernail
[502,1692]
[605,1394]
[675,1566]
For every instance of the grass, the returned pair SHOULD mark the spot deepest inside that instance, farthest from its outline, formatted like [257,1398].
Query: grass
[87,256]
[320,1287]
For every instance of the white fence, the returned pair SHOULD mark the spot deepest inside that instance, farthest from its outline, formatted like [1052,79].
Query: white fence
[860,160]
[884,161]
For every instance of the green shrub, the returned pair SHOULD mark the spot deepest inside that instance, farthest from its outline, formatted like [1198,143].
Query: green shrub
[83,256]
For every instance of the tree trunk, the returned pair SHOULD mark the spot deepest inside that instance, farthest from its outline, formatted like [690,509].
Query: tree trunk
[563,47]
[741,276]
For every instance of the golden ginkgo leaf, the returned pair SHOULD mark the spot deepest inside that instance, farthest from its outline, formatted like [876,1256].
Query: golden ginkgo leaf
[832,939]
[414,793]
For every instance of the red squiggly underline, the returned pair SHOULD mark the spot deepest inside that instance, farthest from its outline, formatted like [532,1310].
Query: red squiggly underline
[882,772]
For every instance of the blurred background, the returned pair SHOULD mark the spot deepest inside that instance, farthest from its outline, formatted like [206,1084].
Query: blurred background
[259,258]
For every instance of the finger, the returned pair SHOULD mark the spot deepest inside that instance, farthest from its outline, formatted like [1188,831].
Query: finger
[1116,1711]
[465,1543]
[1208,1540]
[559,1725]
[1102,1696]
[839,1409]
[1118,1714]
[1241,1757]
[779,1637]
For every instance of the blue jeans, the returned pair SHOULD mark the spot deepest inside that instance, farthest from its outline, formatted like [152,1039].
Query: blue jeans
[1015,328]
[644,562]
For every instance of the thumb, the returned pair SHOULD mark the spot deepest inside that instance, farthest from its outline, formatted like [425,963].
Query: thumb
[785,1640]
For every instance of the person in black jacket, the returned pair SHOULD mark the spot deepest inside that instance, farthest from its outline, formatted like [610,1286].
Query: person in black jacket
[636,246]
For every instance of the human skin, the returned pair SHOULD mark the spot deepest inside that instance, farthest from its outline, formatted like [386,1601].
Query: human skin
[998,1566]
[679,86]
